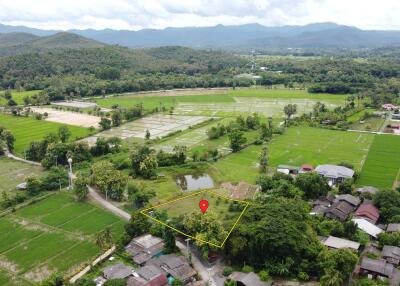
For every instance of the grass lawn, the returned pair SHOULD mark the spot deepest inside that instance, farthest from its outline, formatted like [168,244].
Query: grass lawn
[299,145]
[18,96]
[14,172]
[56,234]
[369,124]
[382,166]
[26,130]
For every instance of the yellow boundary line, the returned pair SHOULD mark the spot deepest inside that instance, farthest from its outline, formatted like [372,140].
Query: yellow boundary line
[143,212]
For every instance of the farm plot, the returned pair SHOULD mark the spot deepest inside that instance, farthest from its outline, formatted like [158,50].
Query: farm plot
[50,236]
[299,145]
[195,139]
[382,167]
[68,117]
[159,125]
[26,130]
[248,105]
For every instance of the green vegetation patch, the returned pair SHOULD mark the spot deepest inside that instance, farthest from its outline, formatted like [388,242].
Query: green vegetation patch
[55,234]
[299,145]
[26,130]
[13,173]
[227,212]
[382,167]
[18,96]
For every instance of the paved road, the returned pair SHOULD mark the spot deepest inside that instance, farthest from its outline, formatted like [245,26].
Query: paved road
[12,156]
[198,266]
[94,196]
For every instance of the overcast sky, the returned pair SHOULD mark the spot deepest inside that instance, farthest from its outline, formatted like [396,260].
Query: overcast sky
[139,14]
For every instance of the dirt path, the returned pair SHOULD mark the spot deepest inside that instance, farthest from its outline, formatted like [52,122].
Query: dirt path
[200,268]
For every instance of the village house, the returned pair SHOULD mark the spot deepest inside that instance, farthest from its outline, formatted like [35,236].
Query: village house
[371,229]
[391,254]
[334,174]
[376,268]
[145,247]
[321,205]
[174,266]
[305,168]
[336,243]
[247,279]
[342,207]
[158,280]
[393,227]
[367,211]
[117,271]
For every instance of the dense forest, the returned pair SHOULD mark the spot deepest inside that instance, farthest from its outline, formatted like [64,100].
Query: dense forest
[93,71]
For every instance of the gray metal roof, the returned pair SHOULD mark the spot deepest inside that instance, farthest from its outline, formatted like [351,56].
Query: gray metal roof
[391,251]
[378,266]
[334,171]
[336,242]
[393,227]
[247,279]
[117,271]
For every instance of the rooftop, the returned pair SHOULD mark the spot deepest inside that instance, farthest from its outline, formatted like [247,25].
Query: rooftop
[379,266]
[355,201]
[336,242]
[334,171]
[117,271]
[367,189]
[367,227]
[369,211]
[393,227]
[247,279]
[391,251]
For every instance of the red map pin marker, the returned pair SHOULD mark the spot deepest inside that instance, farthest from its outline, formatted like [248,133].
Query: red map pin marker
[203,205]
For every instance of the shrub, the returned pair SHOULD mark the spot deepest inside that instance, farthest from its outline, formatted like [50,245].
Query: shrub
[227,271]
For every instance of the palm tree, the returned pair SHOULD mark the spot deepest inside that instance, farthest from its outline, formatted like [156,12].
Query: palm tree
[104,239]
[332,278]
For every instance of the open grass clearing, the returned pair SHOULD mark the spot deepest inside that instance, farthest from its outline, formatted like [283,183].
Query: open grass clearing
[369,124]
[68,117]
[26,130]
[13,172]
[299,145]
[56,234]
[382,165]
[18,96]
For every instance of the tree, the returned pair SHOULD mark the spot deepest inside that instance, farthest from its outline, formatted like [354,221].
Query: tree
[64,133]
[139,194]
[169,240]
[104,239]
[138,225]
[108,180]
[388,202]
[105,123]
[147,134]
[346,187]
[116,118]
[263,160]
[290,110]
[143,162]
[337,265]
[332,278]
[312,184]
[237,139]
[80,187]
[55,178]
[54,280]
[230,282]
[8,138]
[33,186]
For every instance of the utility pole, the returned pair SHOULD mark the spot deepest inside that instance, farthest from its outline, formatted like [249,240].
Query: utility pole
[70,173]
[187,246]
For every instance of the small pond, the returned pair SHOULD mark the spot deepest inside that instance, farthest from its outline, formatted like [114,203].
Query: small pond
[195,182]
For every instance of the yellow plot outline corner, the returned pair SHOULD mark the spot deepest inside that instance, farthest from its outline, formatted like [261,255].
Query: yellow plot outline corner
[143,212]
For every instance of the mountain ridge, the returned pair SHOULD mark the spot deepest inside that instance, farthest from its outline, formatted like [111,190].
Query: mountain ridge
[248,36]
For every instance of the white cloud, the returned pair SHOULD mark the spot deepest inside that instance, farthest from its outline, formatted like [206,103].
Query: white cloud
[137,14]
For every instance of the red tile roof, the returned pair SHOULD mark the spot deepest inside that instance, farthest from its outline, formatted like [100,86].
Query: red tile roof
[159,280]
[307,167]
[368,211]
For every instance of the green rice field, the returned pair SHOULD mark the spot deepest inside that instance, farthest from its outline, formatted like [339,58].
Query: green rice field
[299,145]
[26,130]
[382,167]
[53,235]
